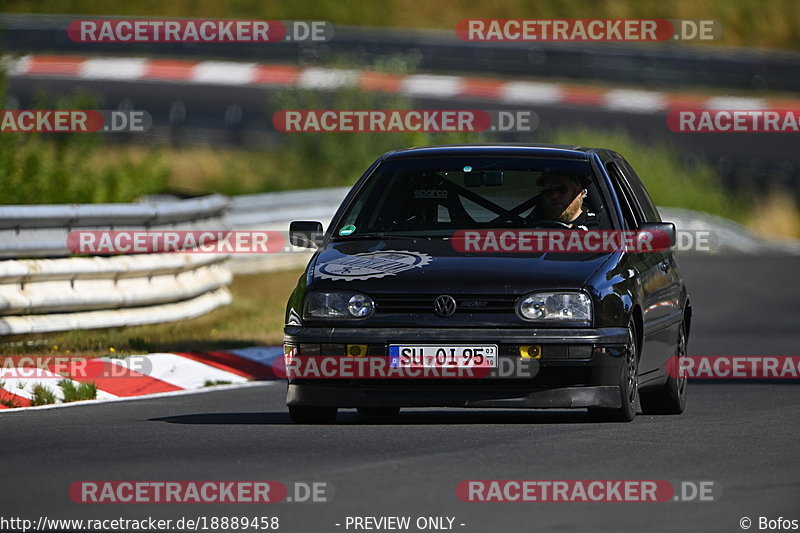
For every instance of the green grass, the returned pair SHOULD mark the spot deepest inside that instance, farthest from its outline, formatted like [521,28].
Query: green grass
[42,395]
[35,170]
[73,393]
[47,168]
[763,23]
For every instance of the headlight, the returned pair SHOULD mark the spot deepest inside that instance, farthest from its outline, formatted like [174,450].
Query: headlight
[573,307]
[338,305]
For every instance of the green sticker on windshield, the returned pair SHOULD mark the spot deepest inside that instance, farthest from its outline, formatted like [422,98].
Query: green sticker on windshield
[347,230]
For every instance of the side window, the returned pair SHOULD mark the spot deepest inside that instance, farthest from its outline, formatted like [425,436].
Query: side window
[630,210]
[646,203]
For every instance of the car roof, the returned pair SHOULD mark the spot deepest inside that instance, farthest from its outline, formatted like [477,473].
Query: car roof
[560,151]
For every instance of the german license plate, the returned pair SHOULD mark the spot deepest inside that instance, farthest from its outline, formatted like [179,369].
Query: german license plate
[437,356]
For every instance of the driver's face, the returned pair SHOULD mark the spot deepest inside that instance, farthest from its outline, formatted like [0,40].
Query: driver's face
[561,198]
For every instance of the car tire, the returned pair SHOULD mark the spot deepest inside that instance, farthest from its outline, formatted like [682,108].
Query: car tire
[378,411]
[305,414]
[671,398]
[628,386]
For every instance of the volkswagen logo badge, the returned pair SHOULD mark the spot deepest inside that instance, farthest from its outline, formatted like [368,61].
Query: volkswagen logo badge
[444,306]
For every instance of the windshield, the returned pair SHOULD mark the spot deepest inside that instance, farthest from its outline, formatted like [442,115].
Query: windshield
[435,197]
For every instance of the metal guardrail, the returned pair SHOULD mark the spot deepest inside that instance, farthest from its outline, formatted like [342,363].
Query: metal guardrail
[41,230]
[647,64]
[273,212]
[60,293]
[113,318]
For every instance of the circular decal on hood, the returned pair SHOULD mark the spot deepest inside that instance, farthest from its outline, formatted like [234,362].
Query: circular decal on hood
[371,265]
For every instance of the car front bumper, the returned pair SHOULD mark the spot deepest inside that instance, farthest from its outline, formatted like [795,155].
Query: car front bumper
[560,381]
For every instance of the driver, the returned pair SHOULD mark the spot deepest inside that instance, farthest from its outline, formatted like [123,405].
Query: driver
[561,198]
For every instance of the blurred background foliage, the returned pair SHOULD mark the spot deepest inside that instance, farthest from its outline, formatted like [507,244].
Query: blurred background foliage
[758,23]
[53,168]
[80,168]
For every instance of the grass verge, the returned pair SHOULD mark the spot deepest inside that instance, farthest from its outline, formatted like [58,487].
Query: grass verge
[41,395]
[775,215]
[63,168]
[79,392]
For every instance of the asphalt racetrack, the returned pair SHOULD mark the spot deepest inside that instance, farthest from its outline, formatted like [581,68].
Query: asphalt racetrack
[744,437]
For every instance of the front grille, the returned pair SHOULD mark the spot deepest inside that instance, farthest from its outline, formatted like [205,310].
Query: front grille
[423,303]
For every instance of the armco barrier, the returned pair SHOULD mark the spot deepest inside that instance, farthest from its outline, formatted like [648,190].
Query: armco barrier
[41,230]
[273,212]
[43,290]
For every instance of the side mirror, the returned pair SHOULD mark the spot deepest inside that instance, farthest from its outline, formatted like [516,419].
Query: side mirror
[305,233]
[660,235]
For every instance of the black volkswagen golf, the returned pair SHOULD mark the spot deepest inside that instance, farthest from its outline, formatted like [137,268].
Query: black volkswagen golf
[504,276]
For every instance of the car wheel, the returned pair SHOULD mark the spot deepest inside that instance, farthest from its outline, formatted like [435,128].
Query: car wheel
[628,386]
[378,411]
[304,414]
[671,398]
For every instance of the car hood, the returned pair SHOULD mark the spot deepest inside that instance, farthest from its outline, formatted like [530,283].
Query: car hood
[434,266]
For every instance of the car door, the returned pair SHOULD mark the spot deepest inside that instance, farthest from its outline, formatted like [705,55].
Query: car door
[675,305]
[653,279]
